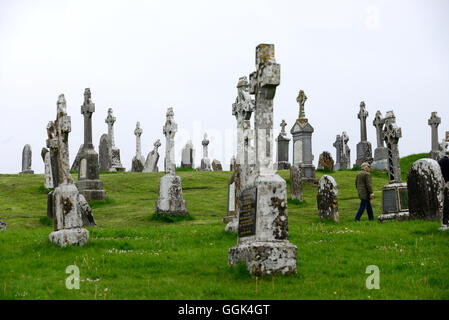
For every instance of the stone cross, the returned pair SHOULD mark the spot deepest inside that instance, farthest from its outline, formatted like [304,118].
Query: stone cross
[434,122]
[283,125]
[138,132]
[338,146]
[378,123]
[87,109]
[392,133]
[205,143]
[263,84]
[169,130]
[362,115]
[301,99]
[156,145]
[110,120]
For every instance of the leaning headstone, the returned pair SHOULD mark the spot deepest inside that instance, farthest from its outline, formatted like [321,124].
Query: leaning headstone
[205,161]
[116,164]
[170,201]
[216,165]
[2,225]
[188,156]
[381,152]
[326,162]
[425,184]
[394,194]
[67,218]
[364,151]
[296,182]
[138,162]
[26,160]
[302,141]
[434,121]
[152,159]
[76,162]
[282,149]
[48,177]
[89,184]
[327,198]
[86,212]
[263,217]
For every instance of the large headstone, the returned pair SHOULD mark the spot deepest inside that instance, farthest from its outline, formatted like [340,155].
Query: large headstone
[138,162]
[263,215]
[434,121]
[394,194]
[89,183]
[282,149]
[26,160]
[327,198]
[326,162]
[425,190]
[188,156]
[67,218]
[116,164]
[381,152]
[364,151]
[152,159]
[48,177]
[205,161]
[343,152]
[170,201]
[302,141]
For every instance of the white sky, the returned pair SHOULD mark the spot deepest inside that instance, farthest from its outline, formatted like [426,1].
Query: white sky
[141,57]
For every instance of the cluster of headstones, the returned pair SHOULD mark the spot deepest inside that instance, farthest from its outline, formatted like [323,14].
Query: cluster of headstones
[188,157]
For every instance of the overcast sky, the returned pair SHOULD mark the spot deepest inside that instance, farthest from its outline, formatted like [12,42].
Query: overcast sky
[141,57]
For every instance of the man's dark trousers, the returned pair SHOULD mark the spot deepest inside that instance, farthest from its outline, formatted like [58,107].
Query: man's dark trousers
[365,204]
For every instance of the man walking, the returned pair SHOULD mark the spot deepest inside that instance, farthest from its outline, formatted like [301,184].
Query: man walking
[365,190]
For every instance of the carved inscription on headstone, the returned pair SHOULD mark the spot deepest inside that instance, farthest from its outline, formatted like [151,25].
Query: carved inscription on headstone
[389,201]
[247,216]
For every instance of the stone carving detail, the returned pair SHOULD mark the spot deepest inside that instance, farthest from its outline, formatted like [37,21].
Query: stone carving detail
[327,198]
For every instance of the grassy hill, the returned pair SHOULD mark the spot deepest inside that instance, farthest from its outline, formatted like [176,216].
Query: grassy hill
[131,256]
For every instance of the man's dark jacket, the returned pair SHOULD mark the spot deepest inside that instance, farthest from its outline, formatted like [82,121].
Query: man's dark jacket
[363,185]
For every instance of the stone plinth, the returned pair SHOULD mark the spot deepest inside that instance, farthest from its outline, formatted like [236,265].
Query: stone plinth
[170,201]
[394,202]
[327,198]
[364,153]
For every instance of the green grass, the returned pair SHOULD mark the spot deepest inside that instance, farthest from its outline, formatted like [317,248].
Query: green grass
[132,256]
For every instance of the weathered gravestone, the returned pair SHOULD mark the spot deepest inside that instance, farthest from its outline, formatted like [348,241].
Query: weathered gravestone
[48,177]
[381,152]
[282,149]
[263,215]
[327,198]
[170,201]
[105,149]
[109,154]
[216,165]
[302,141]
[138,161]
[89,183]
[26,160]
[67,216]
[205,161]
[188,156]
[434,121]
[343,159]
[152,159]
[76,162]
[326,162]
[296,182]
[394,194]
[2,225]
[364,151]
[425,190]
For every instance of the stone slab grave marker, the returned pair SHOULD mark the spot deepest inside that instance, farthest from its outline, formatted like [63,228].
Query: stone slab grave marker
[89,183]
[327,198]
[188,155]
[153,158]
[109,153]
[394,194]
[48,177]
[425,184]
[434,121]
[205,161]
[364,150]
[170,201]
[282,149]
[67,216]
[325,162]
[216,165]
[296,182]
[27,157]
[381,152]
[138,161]
[268,250]
[302,141]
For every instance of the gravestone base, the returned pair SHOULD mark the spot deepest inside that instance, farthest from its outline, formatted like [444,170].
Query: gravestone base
[170,201]
[28,172]
[265,258]
[91,189]
[308,173]
[186,165]
[394,203]
[283,165]
[70,237]
[364,153]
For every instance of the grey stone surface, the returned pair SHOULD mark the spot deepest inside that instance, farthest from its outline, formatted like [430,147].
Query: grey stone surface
[48,176]
[138,161]
[89,184]
[67,217]
[434,121]
[188,156]
[364,150]
[76,162]
[425,184]
[105,148]
[326,162]
[343,152]
[327,198]
[282,149]
[216,165]
[232,164]
[116,164]
[152,159]
[205,161]
[86,212]
[381,152]
[392,133]
[267,250]
[2,225]
[296,182]
[27,159]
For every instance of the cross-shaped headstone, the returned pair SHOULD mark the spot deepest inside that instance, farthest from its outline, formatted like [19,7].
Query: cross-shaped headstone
[205,144]
[87,109]
[392,133]
[283,125]
[110,120]
[169,131]
[138,132]
[362,115]
[378,123]
[301,99]
[434,122]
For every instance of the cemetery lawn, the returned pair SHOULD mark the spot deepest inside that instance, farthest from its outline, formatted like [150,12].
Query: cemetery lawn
[131,256]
